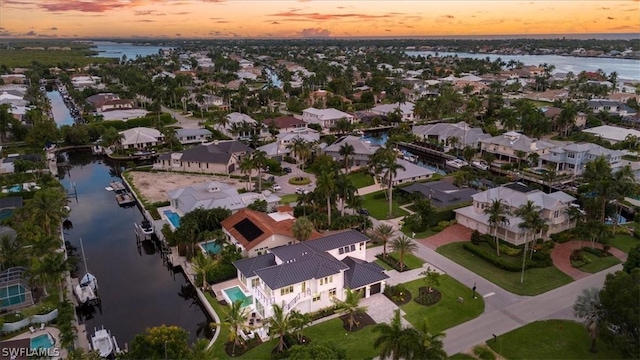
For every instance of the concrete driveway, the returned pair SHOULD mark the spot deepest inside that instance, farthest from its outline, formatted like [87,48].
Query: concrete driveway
[287,188]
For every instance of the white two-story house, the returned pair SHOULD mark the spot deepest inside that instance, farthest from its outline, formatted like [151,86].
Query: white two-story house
[307,276]
[326,118]
[553,209]
[508,146]
[445,133]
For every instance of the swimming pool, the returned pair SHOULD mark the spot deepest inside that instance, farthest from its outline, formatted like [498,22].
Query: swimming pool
[5,213]
[173,218]
[44,341]
[12,295]
[210,247]
[234,294]
[14,188]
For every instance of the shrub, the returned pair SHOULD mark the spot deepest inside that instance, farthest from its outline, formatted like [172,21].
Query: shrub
[398,294]
[483,353]
[596,252]
[299,180]
[426,297]
[509,250]
[289,159]
[475,237]
[221,272]
[492,258]
[380,195]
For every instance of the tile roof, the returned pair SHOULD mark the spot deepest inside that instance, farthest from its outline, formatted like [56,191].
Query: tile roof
[362,273]
[284,122]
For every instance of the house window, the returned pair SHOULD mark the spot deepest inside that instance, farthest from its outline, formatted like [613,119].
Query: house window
[353,247]
[286,290]
[556,214]
[341,251]
[361,246]
[255,283]
[332,292]
[316,297]
[571,155]
[326,280]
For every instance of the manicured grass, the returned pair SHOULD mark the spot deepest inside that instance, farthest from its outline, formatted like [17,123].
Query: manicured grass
[419,235]
[624,242]
[218,346]
[359,344]
[288,199]
[410,261]
[536,281]
[383,264]
[448,312]
[551,339]
[597,263]
[461,356]
[361,179]
[378,208]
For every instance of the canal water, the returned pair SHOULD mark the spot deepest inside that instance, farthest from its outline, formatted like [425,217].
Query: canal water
[61,114]
[137,290]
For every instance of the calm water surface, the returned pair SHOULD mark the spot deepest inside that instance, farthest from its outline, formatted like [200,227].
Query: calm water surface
[110,49]
[136,289]
[61,114]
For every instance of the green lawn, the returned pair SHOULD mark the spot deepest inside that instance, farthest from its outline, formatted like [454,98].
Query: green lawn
[410,261]
[536,281]
[378,208]
[448,312]
[218,346]
[288,199]
[419,235]
[624,242]
[551,339]
[461,356]
[361,179]
[359,344]
[383,264]
[597,263]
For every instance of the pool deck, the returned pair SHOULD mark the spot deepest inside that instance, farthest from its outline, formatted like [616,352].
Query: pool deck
[48,329]
[217,288]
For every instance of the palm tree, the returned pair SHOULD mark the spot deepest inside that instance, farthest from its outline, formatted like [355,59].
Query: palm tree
[350,306]
[11,252]
[395,341]
[526,213]
[597,174]
[53,266]
[49,206]
[432,344]
[235,321]
[299,321]
[383,232]
[346,151]
[624,183]
[279,325]
[589,307]
[247,166]
[202,264]
[384,160]
[403,245]
[259,159]
[302,229]
[345,190]
[326,186]
[301,149]
[498,212]
[201,350]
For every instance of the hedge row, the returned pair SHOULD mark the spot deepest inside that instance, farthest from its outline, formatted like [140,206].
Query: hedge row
[500,262]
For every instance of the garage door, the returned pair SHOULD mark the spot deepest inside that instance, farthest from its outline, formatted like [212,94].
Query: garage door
[375,288]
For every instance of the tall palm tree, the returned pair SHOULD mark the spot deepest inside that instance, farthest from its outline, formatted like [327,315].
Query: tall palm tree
[202,264]
[259,159]
[403,245]
[526,212]
[384,161]
[350,306]
[498,212]
[432,343]
[326,186]
[235,321]
[49,206]
[53,266]
[301,149]
[280,325]
[247,166]
[346,151]
[201,350]
[395,341]
[624,183]
[345,190]
[597,174]
[299,321]
[383,232]
[589,307]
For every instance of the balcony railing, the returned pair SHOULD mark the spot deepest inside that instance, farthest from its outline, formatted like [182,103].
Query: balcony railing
[263,297]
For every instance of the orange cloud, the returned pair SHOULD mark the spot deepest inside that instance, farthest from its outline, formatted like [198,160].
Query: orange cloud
[318,16]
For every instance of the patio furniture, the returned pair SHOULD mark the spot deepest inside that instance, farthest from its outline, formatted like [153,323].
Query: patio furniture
[42,327]
[32,329]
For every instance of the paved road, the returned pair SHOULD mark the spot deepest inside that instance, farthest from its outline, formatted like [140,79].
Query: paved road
[184,122]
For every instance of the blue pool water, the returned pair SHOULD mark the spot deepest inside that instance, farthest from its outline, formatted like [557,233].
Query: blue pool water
[235,293]
[41,342]
[15,188]
[5,213]
[376,139]
[12,295]
[621,220]
[173,218]
[210,247]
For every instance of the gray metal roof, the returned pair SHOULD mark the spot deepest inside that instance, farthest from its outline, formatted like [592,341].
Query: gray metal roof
[442,193]
[248,266]
[313,266]
[192,132]
[337,240]
[362,273]
[212,153]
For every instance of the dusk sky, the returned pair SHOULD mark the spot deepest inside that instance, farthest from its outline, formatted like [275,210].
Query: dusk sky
[311,18]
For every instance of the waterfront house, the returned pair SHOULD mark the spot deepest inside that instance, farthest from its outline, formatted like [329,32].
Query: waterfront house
[193,136]
[326,118]
[362,150]
[140,138]
[553,209]
[507,146]
[286,123]
[444,133]
[281,147]
[218,157]
[255,232]
[410,173]
[214,194]
[406,110]
[308,276]
[242,127]
[109,101]
[573,158]
[441,194]
[611,107]
[81,82]
[613,134]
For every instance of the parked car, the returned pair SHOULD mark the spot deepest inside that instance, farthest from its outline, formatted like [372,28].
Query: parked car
[364,212]
[277,187]
[271,179]
[287,170]
[301,191]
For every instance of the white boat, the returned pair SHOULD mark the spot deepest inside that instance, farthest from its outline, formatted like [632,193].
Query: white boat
[87,289]
[456,163]
[146,227]
[103,343]
[480,165]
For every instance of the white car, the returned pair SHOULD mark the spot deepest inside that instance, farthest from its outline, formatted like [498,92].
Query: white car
[277,187]
[301,191]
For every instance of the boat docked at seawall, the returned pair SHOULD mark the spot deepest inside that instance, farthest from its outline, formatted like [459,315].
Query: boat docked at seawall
[87,289]
[456,163]
[145,228]
[123,196]
[480,165]
[105,344]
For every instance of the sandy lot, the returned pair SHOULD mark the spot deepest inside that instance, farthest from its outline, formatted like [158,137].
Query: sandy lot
[154,186]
